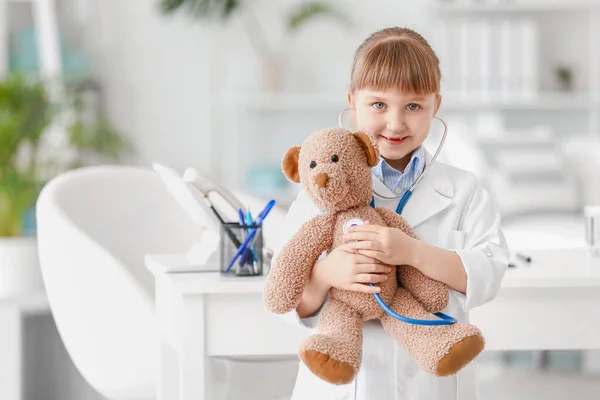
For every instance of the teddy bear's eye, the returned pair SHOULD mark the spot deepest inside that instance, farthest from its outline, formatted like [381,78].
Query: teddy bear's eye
[313,164]
[335,158]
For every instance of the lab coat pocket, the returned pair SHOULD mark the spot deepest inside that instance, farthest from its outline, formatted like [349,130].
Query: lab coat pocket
[456,240]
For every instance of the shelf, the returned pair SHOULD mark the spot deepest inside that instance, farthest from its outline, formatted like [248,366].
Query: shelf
[287,101]
[335,102]
[544,102]
[473,6]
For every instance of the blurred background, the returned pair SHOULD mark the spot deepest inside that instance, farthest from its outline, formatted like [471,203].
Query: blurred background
[228,86]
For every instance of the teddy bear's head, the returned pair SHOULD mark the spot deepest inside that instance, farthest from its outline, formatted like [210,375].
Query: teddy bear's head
[334,166]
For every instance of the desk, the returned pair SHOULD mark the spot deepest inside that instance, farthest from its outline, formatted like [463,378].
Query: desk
[548,304]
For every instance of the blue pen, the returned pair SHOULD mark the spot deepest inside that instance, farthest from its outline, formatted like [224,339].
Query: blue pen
[247,256]
[242,224]
[263,214]
[249,218]
[241,214]
[253,249]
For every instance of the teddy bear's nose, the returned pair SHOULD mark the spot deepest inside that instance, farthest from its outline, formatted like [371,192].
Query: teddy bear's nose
[321,179]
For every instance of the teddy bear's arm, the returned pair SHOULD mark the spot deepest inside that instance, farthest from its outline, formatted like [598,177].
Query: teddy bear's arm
[429,292]
[292,268]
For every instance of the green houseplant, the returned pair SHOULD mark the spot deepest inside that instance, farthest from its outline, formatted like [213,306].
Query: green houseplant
[564,76]
[29,152]
[39,138]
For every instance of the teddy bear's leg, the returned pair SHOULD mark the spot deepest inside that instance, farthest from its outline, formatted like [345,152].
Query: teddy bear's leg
[441,350]
[335,353]
[432,294]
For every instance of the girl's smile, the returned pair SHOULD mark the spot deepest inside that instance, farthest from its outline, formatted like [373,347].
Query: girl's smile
[400,121]
[394,140]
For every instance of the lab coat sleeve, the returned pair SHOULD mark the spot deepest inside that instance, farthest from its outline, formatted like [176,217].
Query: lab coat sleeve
[484,251]
[300,211]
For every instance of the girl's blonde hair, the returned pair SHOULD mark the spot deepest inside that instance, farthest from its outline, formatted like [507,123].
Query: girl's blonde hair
[397,58]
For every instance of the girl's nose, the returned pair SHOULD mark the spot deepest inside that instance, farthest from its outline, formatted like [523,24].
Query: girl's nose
[396,123]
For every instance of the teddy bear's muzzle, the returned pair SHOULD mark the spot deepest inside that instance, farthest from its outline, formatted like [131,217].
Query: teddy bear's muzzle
[321,179]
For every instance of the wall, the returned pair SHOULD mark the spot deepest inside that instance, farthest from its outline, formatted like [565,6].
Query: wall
[163,76]
[156,71]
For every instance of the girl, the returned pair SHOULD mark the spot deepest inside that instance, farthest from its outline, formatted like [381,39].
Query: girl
[394,95]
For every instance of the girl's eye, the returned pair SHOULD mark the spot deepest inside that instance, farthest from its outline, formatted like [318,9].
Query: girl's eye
[378,106]
[414,107]
[313,164]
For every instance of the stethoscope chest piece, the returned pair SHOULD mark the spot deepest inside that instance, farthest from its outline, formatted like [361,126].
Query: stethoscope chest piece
[352,222]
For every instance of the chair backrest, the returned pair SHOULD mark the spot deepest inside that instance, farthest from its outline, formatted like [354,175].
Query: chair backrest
[95,225]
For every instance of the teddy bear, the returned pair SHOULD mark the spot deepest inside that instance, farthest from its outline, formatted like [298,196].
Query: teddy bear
[334,167]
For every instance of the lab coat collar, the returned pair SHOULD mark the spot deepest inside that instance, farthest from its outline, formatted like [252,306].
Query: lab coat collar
[432,195]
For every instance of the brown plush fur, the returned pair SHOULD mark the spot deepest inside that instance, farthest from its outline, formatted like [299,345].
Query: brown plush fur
[342,185]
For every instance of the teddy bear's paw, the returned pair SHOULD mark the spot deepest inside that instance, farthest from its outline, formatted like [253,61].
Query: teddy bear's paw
[460,354]
[330,370]
[332,360]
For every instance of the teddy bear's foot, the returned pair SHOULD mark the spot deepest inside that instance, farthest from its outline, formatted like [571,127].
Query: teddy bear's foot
[459,355]
[335,353]
[441,350]
[325,366]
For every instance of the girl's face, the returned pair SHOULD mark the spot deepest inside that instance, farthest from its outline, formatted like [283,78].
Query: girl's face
[399,121]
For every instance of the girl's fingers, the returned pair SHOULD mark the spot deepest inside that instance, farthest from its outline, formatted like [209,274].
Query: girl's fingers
[370,253]
[365,245]
[373,268]
[360,259]
[360,236]
[359,287]
[371,278]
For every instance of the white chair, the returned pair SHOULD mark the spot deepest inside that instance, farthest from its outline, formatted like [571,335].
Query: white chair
[95,226]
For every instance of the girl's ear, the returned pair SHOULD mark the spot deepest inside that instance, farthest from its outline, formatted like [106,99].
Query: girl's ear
[290,164]
[367,146]
[350,100]
[438,103]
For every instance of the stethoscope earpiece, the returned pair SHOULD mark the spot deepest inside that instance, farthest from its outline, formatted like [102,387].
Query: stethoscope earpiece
[341,116]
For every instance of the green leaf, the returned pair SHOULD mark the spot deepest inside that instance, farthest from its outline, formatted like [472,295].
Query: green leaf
[229,7]
[100,138]
[17,194]
[201,8]
[170,6]
[310,10]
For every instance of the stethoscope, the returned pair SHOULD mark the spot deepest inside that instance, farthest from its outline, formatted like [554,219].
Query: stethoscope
[444,319]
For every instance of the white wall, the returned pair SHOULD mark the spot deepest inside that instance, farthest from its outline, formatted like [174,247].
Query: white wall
[161,75]
[156,71]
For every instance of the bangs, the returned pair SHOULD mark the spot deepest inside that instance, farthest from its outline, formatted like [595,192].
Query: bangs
[397,63]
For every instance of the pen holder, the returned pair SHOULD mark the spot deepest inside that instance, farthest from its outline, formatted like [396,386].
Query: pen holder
[250,262]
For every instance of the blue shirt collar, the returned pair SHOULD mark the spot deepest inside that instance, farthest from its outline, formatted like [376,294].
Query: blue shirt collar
[394,179]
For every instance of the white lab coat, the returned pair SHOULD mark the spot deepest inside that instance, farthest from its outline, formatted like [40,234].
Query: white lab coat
[449,209]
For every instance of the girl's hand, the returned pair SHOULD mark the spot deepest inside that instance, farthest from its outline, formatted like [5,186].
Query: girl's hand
[387,245]
[345,269]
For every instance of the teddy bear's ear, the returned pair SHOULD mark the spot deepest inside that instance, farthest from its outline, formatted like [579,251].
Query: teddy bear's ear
[367,146]
[290,164]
